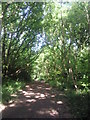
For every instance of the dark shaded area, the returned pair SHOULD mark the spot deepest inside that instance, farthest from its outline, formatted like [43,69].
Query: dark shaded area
[79,103]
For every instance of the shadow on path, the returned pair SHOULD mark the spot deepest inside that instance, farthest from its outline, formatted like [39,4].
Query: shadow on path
[38,100]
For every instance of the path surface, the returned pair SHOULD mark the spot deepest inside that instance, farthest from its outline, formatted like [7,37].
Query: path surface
[38,100]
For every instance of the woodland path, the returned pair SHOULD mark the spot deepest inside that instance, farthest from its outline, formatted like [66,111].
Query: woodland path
[38,100]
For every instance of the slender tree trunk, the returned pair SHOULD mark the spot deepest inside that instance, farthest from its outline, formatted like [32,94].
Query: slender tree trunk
[71,76]
[3,54]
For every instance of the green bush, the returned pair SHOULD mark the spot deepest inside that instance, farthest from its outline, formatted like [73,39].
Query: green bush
[11,87]
[78,101]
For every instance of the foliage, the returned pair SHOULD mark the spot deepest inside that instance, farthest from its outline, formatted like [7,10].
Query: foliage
[11,87]
[65,55]
[48,41]
[19,29]
[79,102]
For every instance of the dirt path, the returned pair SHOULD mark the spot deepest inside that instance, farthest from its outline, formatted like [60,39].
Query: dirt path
[38,100]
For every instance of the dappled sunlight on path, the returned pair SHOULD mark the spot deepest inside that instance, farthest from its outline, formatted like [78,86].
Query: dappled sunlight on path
[38,100]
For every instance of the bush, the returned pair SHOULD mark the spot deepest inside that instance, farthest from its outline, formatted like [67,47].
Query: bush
[10,87]
[79,103]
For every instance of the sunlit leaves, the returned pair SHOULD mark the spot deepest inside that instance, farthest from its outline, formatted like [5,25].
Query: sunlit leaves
[20,26]
[65,35]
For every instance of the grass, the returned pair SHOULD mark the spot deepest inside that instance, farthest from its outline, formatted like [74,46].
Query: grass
[11,87]
[79,102]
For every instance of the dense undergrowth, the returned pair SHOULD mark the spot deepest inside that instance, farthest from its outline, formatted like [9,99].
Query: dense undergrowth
[79,103]
[9,88]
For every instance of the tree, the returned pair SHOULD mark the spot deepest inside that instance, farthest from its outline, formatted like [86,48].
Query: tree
[20,25]
[63,29]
